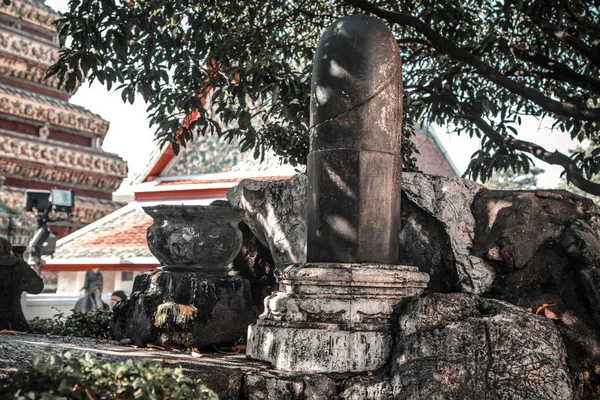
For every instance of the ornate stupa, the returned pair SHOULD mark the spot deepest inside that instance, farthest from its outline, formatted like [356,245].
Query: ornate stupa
[45,141]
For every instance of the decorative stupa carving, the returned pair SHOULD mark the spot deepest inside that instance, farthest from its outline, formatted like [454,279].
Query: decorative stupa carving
[45,141]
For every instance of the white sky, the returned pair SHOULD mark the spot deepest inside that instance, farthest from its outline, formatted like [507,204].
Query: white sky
[130,137]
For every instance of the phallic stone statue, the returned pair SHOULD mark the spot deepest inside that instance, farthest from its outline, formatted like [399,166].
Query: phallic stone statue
[92,300]
[333,313]
[16,277]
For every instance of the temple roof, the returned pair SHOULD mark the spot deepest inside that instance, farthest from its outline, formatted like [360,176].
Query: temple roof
[433,159]
[209,155]
[120,236]
[39,108]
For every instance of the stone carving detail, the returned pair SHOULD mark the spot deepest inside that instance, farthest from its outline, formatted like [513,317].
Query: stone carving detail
[191,300]
[302,287]
[35,13]
[334,313]
[23,47]
[195,238]
[16,277]
[44,132]
[92,300]
[40,172]
[54,112]
[54,155]
[26,70]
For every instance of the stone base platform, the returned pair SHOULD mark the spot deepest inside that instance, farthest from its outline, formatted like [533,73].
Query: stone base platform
[446,346]
[319,350]
[332,317]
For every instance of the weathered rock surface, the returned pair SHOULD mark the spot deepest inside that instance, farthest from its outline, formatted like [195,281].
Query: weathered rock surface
[448,346]
[437,229]
[460,346]
[254,262]
[177,308]
[525,247]
[276,214]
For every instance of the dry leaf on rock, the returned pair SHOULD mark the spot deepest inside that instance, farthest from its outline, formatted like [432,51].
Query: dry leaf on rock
[240,348]
[170,361]
[542,308]
[549,314]
[195,354]
[8,332]
[155,347]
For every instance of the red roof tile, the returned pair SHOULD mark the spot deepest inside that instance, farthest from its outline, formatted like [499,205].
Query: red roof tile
[122,236]
[132,235]
[431,160]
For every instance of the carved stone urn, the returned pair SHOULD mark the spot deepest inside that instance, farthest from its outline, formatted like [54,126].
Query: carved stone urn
[196,238]
[191,300]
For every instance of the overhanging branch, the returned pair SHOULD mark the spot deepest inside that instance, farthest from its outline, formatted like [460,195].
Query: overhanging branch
[448,47]
[574,174]
[560,72]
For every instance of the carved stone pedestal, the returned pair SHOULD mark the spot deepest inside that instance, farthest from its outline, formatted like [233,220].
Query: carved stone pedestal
[190,301]
[185,309]
[332,317]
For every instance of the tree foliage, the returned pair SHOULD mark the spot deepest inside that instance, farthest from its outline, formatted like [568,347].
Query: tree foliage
[476,66]
[596,178]
[96,324]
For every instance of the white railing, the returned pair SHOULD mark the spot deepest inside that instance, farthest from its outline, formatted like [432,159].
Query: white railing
[46,305]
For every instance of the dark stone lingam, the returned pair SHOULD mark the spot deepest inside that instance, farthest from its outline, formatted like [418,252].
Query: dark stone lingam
[333,314]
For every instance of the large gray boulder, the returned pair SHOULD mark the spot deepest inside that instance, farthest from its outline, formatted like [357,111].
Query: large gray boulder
[276,214]
[461,346]
[437,227]
[528,248]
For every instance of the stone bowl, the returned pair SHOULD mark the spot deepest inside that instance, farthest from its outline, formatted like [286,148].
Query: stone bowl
[194,237]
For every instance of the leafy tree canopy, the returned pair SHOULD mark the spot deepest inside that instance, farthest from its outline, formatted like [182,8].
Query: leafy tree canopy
[476,66]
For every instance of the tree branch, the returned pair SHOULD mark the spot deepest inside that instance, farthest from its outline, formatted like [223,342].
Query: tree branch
[404,41]
[578,18]
[574,174]
[446,46]
[563,36]
[560,72]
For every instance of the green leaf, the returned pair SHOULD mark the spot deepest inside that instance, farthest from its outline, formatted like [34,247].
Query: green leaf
[245,119]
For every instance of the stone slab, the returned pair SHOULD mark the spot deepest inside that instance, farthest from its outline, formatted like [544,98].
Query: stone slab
[319,350]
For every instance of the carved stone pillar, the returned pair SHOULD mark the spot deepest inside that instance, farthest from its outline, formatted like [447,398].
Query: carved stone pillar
[333,313]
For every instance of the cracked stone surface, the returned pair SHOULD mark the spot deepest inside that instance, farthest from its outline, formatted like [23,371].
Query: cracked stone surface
[436,231]
[459,346]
